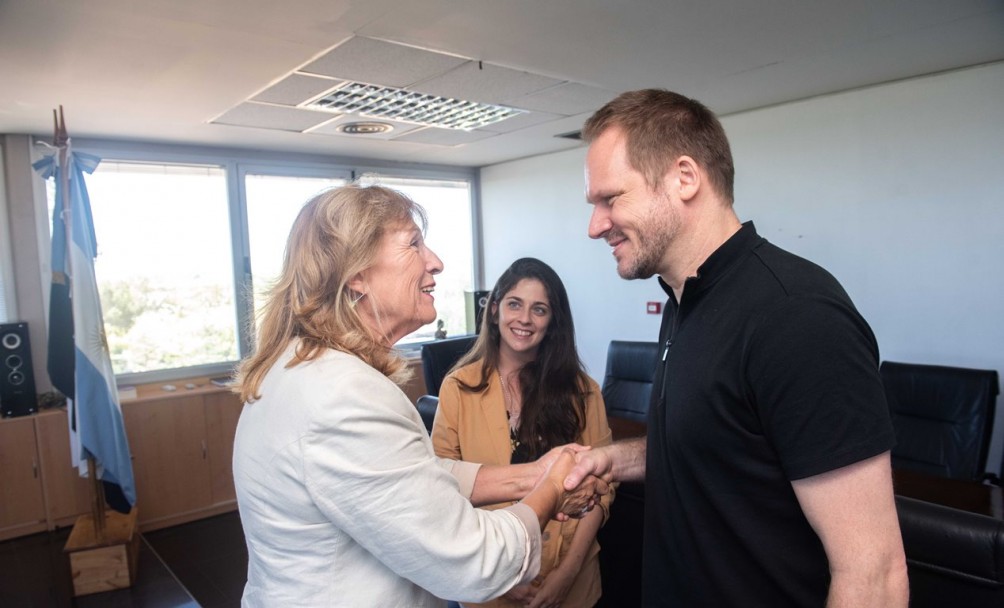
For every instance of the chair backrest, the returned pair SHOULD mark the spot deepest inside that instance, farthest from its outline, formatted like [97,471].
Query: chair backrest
[627,386]
[943,417]
[627,389]
[427,406]
[439,356]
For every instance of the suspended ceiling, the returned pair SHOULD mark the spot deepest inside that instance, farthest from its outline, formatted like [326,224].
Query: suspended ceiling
[242,73]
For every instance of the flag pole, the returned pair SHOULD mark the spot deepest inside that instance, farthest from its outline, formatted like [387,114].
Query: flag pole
[98,505]
[61,140]
[103,547]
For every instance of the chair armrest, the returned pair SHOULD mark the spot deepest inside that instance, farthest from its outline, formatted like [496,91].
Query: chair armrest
[958,544]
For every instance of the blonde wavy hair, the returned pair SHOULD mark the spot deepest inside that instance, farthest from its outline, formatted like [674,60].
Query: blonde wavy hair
[336,235]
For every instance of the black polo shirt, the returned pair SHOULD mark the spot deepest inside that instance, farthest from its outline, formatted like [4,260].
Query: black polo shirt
[770,375]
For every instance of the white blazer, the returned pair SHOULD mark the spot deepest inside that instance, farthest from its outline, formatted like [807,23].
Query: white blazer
[344,504]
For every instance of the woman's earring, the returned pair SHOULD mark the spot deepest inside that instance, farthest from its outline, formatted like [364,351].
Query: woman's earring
[356,299]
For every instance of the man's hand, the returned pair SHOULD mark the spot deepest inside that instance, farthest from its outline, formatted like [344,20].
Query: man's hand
[621,461]
[594,463]
[545,462]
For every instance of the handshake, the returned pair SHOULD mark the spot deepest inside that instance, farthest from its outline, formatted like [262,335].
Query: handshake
[576,478]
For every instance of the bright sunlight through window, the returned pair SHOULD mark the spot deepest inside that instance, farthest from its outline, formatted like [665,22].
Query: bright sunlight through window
[164,265]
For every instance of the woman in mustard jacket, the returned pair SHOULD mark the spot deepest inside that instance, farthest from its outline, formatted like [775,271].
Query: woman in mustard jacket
[520,391]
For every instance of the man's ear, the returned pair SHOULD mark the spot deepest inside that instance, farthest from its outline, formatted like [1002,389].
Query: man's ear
[688,177]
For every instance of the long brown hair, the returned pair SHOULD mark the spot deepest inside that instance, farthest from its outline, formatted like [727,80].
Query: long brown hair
[553,386]
[336,235]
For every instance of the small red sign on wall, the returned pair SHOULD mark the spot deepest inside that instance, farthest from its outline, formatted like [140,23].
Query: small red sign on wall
[653,308]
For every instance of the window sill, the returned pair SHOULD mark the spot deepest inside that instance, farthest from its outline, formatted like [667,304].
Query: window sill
[186,387]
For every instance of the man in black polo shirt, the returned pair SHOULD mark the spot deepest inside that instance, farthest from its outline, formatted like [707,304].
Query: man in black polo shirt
[767,470]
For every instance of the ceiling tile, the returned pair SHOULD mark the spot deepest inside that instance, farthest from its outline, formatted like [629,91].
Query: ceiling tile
[296,89]
[264,116]
[443,137]
[568,99]
[378,62]
[520,121]
[485,83]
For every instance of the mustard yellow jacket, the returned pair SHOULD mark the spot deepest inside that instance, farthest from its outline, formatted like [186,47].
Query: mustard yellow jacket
[473,427]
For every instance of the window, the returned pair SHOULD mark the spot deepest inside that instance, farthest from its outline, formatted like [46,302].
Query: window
[447,204]
[182,235]
[6,263]
[273,201]
[164,265]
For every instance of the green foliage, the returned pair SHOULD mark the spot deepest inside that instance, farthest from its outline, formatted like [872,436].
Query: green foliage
[154,326]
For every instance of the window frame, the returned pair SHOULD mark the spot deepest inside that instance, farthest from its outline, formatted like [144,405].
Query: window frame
[237,164]
[8,303]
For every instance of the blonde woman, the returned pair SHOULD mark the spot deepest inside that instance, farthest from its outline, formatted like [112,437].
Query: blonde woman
[342,500]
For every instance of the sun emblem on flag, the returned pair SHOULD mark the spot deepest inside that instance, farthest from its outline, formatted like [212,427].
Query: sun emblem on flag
[98,340]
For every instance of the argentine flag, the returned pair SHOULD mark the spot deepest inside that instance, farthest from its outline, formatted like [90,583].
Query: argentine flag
[79,363]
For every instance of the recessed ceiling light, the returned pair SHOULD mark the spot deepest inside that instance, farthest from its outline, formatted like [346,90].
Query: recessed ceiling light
[410,106]
[364,128]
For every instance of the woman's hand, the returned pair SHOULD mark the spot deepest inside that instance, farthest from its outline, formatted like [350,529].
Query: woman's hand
[522,593]
[580,500]
[554,589]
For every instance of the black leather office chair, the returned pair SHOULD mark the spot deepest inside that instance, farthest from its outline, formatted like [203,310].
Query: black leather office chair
[627,388]
[943,417]
[438,358]
[954,558]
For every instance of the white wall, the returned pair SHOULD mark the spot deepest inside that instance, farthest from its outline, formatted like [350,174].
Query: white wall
[898,190]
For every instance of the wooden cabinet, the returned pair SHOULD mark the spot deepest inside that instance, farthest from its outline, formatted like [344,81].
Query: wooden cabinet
[22,504]
[167,440]
[41,488]
[222,413]
[67,494]
[182,446]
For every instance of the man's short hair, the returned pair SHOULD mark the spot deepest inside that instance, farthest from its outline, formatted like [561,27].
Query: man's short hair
[661,126]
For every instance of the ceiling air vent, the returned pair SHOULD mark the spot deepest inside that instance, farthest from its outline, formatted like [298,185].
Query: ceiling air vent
[576,135]
[364,128]
[409,106]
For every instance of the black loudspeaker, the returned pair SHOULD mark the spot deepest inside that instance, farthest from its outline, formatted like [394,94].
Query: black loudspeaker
[475,303]
[17,381]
